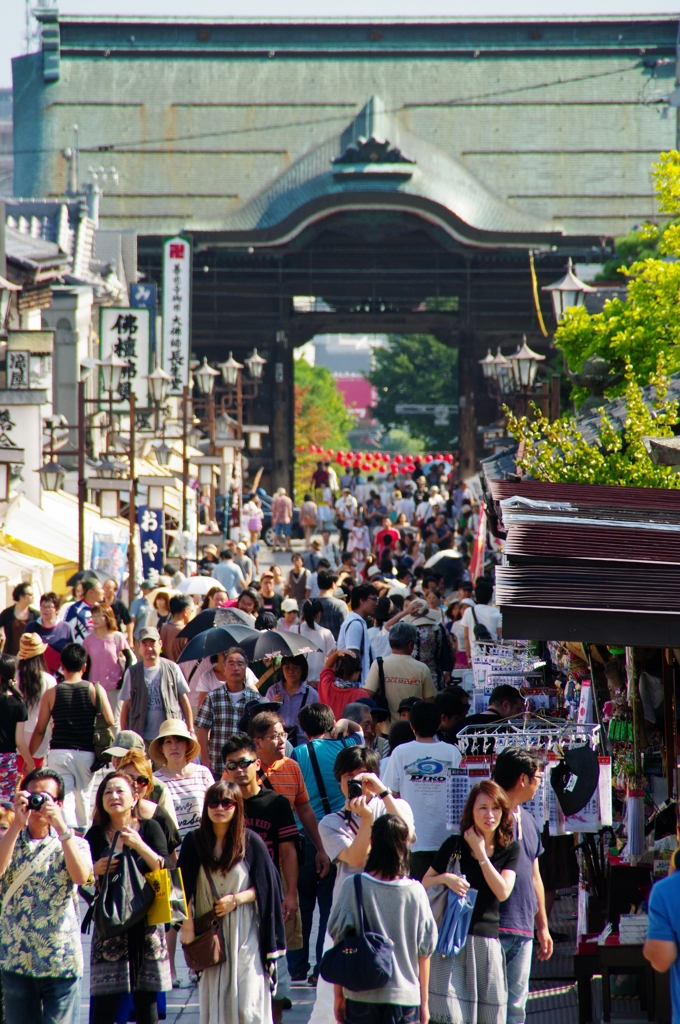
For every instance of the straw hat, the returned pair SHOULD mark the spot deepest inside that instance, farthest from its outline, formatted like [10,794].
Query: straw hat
[173,727]
[30,645]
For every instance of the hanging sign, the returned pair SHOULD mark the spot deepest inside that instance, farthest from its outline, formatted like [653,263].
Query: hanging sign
[176,311]
[125,332]
[151,540]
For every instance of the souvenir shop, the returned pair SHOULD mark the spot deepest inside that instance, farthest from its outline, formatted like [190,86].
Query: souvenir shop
[589,573]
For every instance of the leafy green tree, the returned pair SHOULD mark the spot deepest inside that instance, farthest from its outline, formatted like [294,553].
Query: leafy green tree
[647,323]
[320,418]
[558,452]
[415,369]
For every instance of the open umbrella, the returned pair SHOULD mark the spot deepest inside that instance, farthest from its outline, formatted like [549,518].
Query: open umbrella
[88,574]
[272,643]
[200,585]
[216,640]
[214,617]
[449,563]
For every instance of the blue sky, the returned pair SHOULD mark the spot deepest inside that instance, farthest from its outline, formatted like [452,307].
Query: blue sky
[12,38]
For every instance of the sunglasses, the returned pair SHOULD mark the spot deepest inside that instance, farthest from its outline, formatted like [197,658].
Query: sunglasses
[215,801]
[140,780]
[244,763]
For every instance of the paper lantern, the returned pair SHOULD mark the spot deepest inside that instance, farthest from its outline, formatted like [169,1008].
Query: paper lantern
[428,458]
[448,457]
[398,459]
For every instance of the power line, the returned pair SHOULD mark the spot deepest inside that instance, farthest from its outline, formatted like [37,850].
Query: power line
[338,118]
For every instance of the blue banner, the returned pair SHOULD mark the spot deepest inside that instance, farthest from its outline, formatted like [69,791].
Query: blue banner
[151,539]
[110,556]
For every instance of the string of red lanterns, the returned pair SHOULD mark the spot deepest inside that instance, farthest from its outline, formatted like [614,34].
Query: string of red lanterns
[377,462]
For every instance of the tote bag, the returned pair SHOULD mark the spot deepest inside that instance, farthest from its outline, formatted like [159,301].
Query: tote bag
[125,895]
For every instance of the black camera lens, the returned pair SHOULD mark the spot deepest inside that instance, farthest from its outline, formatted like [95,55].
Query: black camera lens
[353,789]
[36,800]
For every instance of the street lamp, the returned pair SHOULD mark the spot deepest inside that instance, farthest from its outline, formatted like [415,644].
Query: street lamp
[255,364]
[163,452]
[487,365]
[231,368]
[194,436]
[524,366]
[500,372]
[112,368]
[568,292]
[52,476]
[159,382]
[205,377]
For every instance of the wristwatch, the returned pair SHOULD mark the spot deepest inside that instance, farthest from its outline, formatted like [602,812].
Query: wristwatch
[65,836]
[385,792]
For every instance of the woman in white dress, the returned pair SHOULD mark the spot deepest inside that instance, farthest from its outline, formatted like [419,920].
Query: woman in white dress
[227,868]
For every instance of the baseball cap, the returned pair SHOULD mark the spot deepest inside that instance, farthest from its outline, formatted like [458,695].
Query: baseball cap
[409,702]
[125,741]
[290,605]
[380,714]
[149,633]
[267,573]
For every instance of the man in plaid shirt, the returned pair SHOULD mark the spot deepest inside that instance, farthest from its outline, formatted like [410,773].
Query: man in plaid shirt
[222,710]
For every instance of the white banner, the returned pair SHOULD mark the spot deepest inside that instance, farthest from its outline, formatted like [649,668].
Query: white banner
[126,333]
[176,311]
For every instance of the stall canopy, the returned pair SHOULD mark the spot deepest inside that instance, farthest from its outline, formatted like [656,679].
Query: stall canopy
[588,563]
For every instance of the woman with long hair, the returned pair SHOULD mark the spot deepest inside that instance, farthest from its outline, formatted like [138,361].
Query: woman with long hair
[33,680]
[310,617]
[13,716]
[215,598]
[472,986]
[106,646]
[137,961]
[227,869]
[395,905]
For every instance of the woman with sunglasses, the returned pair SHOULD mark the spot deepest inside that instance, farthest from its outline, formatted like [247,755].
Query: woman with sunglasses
[227,868]
[140,772]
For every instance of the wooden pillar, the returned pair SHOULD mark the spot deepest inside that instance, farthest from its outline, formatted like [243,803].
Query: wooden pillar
[669,722]
[467,423]
[282,414]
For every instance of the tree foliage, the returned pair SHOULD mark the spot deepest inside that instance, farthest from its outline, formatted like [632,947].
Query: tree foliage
[320,418]
[557,452]
[416,369]
[647,323]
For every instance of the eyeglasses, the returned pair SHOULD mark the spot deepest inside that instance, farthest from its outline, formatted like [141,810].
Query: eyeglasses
[216,801]
[244,763]
[140,780]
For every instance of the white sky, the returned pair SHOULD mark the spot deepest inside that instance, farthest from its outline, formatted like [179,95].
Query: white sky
[12,37]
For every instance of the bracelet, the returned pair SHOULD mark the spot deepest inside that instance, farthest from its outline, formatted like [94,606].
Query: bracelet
[385,792]
[483,862]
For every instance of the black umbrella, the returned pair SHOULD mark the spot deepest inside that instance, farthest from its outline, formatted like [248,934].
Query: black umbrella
[216,640]
[88,574]
[271,643]
[214,617]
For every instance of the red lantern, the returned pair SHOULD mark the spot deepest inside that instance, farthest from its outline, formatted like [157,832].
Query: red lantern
[428,458]
[448,457]
[398,459]
[439,456]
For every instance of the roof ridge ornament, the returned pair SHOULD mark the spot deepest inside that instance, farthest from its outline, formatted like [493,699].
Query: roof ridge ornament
[372,151]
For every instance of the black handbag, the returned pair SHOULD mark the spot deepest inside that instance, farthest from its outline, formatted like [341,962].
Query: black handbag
[359,962]
[103,735]
[124,896]
[480,630]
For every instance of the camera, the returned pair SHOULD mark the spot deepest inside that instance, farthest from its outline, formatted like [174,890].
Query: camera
[353,789]
[36,800]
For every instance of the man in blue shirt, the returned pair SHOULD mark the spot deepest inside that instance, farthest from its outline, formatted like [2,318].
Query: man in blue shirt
[229,574]
[519,773]
[663,934]
[317,722]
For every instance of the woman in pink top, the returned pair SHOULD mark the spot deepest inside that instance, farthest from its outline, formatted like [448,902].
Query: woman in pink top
[105,646]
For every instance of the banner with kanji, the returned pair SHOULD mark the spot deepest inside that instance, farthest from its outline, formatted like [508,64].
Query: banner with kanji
[176,311]
[125,332]
[151,539]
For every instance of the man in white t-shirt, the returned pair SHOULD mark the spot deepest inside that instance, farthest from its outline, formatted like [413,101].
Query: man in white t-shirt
[418,772]
[483,614]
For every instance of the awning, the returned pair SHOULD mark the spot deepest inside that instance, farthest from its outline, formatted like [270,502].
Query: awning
[17,568]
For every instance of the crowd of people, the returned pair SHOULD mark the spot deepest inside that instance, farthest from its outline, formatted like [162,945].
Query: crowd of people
[270,784]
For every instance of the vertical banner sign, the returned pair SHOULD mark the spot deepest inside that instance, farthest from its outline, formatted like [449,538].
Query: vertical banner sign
[109,555]
[151,539]
[126,332]
[143,296]
[176,311]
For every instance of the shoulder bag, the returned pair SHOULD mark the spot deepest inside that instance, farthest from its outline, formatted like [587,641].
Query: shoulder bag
[438,894]
[481,632]
[32,866]
[207,949]
[103,735]
[359,962]
[125,896]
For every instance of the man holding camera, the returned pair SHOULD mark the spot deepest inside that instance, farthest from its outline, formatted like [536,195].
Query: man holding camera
[41,863]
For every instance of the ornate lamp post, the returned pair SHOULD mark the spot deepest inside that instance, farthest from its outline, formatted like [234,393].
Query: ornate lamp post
[567,293]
